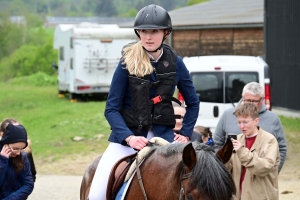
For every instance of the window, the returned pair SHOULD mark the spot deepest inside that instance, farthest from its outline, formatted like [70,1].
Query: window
[61,53]
[235,82]
[208,86]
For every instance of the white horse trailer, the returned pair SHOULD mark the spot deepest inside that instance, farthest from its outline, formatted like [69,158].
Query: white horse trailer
[88,55]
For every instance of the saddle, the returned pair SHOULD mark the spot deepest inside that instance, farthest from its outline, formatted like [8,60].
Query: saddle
[117,176]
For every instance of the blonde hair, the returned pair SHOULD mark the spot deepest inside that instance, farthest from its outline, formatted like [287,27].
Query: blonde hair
[137,60]
[246,110]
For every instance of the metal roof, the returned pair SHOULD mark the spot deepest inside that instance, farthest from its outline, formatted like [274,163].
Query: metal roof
[220,13]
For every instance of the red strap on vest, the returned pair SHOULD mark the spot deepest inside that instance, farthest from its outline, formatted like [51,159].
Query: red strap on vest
[156,99]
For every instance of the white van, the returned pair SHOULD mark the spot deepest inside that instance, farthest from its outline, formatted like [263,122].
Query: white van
[219,81]
[88,55]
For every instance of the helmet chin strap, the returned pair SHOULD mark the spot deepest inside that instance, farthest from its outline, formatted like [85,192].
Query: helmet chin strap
[159,48]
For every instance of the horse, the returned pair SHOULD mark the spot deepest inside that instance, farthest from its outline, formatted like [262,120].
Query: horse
[88,178]
[178,171]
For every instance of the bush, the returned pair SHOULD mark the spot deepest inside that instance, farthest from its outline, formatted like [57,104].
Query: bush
[37,79]
[29,59]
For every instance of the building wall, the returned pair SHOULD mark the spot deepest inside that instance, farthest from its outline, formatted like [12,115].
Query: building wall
[218,42]
[282,45]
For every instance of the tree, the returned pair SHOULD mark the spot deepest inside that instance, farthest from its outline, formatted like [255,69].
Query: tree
[11,36]
[105,8]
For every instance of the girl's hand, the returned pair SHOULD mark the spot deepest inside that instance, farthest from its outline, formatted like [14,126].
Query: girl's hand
[6,151]
[136,142]
[180,138]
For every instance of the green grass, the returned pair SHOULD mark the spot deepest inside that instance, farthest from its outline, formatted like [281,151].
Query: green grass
[291,128]
[290,124]
[53,122]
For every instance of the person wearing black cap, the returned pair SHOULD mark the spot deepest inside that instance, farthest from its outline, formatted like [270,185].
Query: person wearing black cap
[28,149]
[15,176]
[139,104]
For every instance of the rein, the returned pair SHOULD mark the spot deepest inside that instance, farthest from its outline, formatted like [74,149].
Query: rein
[184,176]
[140,178]
[139,173]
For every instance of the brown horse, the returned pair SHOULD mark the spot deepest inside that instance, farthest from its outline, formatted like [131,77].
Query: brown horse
[88,178]
[179,171]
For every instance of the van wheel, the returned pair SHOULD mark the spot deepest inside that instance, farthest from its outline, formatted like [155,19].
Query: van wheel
[61,94]
[72,97]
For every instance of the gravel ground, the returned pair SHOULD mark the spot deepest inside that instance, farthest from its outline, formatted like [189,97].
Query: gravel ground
[65,182]
[59,187]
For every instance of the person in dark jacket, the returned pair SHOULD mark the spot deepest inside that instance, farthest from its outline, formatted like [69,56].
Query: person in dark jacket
[27,150]
[16,181]
[139,104]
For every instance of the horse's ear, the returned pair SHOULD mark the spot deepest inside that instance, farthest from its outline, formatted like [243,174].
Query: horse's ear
[225,152]
[189,157]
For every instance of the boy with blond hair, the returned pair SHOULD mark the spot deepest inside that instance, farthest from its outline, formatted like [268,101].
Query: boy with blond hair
[254,165]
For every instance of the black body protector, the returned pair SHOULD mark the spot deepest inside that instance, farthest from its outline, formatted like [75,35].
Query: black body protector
[159,110]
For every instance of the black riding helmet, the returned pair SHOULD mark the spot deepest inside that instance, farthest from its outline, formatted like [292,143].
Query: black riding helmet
[153,17]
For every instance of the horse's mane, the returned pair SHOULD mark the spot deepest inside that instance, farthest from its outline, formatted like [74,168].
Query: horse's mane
[209,176]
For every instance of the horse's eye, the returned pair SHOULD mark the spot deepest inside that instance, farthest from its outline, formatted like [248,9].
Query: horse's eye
[189,197]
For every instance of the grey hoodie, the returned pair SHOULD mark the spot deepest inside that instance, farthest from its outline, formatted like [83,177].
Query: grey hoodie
[268,121]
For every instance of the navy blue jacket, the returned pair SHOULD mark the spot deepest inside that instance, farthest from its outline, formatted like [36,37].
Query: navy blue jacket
[15,186]
[120,97]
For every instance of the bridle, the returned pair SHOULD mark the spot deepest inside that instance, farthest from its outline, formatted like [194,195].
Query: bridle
[181,190]
[183,177]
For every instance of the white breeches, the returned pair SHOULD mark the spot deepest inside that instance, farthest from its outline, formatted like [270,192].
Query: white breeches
[112,154]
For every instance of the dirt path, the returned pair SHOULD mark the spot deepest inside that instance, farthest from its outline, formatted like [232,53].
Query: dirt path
[289,189]
[65,184]
[63,187]
[58,187]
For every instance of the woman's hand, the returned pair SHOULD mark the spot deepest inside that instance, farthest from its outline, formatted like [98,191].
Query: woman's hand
[180,138]
[6,151]
[136,142]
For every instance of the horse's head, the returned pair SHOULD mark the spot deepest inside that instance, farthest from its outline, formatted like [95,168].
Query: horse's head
[204,174]
[189,154]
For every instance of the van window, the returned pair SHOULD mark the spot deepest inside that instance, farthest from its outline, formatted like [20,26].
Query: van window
[61,53]
[210,86]
[235,82]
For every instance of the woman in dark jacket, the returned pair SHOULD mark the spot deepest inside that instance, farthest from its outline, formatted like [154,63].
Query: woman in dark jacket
[16,181]
[27,150]
[139,104]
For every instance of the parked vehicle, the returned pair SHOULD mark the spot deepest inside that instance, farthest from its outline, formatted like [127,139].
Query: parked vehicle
[88,55]
[219,81]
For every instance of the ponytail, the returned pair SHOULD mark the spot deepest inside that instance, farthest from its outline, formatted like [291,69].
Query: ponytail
[137,60]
